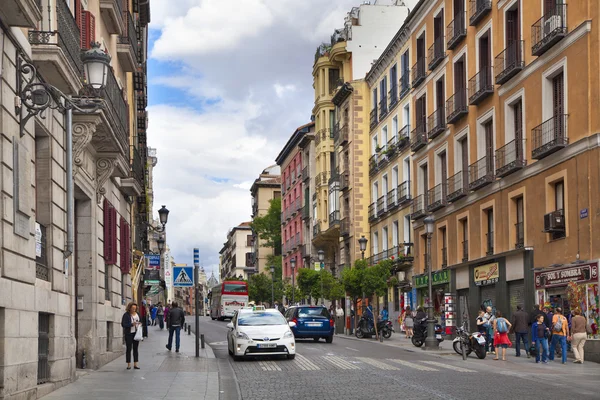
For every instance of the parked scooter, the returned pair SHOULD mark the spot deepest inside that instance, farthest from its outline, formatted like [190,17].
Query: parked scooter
[474,342]
[385,328]
[420,332]
[366,329]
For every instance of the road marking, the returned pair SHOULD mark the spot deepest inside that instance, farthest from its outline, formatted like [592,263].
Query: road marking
[340,363]
[218,343]
[412,365]
[452,367]
[350,348]
[269,366]
[305,364]
[377,364]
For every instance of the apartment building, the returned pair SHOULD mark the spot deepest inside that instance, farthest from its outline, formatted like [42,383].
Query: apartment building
[505,151]
[348,57]
[236,253]
[307,150]
[294,193]
[40,283]
[264,189]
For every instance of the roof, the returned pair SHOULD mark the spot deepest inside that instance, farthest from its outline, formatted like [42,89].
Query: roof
[293,141]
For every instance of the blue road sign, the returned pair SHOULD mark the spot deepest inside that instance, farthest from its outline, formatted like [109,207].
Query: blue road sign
[196,256]
[153,261]
[184,276]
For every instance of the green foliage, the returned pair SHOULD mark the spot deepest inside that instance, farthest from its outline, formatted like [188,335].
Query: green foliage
[268,227]
[307,280]
[287,290]
[368,280]
[352,279]
[259,287]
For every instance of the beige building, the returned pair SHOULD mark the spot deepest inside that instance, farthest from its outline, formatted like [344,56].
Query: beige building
[236,254]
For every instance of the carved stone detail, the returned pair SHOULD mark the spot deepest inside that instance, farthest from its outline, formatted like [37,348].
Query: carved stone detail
[82,136]
[105,167]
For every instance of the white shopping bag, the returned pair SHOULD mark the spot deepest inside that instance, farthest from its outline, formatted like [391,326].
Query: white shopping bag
[138,335]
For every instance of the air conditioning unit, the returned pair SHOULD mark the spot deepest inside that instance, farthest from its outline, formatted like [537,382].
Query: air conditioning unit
[554,222]
[552,23]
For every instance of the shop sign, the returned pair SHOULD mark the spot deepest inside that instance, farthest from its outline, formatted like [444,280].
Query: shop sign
[151,277]
[486,274]
[153,261]
[438,278]
[562,276]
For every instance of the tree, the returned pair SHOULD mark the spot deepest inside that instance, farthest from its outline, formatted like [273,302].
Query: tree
[290,293]
[259,288]
[352,279]
[268,227]
[307,280]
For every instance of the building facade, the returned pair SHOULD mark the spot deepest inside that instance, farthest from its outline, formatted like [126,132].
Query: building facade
[264,189]
[307,149]
[236,254]
[294,193]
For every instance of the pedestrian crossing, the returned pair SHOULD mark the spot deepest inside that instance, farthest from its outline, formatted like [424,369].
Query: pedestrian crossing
[333,362]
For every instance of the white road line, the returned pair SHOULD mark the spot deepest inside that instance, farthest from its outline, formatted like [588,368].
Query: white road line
[412,365]
[377,364]
[350,348]
[305,364]
[269,366]
[340,363]
[452,367]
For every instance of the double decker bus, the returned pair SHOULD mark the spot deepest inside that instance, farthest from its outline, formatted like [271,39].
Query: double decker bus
[226,298]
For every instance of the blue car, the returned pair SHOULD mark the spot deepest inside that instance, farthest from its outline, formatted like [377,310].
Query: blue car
[312,322]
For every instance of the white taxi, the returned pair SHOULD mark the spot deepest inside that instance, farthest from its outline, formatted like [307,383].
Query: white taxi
[259,332]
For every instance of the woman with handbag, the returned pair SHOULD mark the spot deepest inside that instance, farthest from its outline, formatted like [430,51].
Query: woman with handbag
[133,334]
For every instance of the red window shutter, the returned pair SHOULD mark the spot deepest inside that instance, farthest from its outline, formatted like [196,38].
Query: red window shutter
[113,234]
[88,29]
[125,247]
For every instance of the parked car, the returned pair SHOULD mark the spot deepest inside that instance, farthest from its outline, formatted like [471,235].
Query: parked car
[313,322]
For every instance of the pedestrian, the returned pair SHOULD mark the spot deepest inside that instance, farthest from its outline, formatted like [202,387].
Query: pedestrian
[579,332]
[131,323]
[339,318]
[153,311]
[167,309]
[175,320]
[420,314]
[481,323]
[281,309]
[501,340]
[533,315]
[489,326]
[520,322]
[332,311]
[409,322]
[160,314]
[352,315]
[560,332]
[144,318]
[539,337]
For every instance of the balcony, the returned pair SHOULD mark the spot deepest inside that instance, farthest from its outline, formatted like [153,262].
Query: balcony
[549,30]
[419,138]
[372,212]
[322,178]
[334,219]
[392,197]
[510,62]
[444,257]
[418,72]
[305,174]
[393,95]
[373,118]
[436,197]
[456,31]
[112,14]
[404,85]
[489,240]
[436,123]
[509,158]
[457,187]
[41,261]
[316,229]
[381,206]
[549,137]
[465,249]
[21,13]
[403,139]
[478,9]
[305,250]
[345,226]
[57,54]
[417,209]
[436,53]
[127,45]
[520,235]
[135,184]
[383,108]
[481,86]
[340,135]
[391,148]
[404,193]
[344,181]
[306,211]
[456,106]
[481,173]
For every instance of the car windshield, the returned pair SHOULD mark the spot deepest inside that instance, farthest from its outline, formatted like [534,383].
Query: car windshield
[256,319]
[313,312]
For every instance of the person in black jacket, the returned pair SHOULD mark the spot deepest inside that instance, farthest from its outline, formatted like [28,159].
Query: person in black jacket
[131,323]
[175,320]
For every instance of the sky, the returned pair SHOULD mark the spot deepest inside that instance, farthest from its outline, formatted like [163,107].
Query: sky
[229,81]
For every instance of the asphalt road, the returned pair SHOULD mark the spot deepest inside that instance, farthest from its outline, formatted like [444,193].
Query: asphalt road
[351,369]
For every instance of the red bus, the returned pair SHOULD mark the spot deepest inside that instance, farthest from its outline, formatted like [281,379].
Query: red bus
[226,298]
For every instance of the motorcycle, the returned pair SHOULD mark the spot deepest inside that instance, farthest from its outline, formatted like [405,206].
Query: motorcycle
[366,329]
[474,342]
[385,328]
[420,333]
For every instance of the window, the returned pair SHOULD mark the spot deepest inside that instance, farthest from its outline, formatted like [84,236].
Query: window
[124,289]
[443,247]
[397,298]
[375,243]
[407,229]
[384,239]
[395,232]
[384,136]
[488,129]
[106,282]
[374,145]
[559,205]
[43,374]
[490,231]
[375,191]
[421,114]
[108,336]
[394,126]
[110,233]
[374,102]
[464,224]
[519,227]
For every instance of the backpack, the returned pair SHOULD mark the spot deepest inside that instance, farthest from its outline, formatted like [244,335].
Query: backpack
[558,325]
[501,325]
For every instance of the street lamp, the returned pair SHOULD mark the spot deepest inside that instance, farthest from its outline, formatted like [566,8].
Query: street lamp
[362,242]
[321,254]
[431,342]
[272,268]
[160,242]
[293,265]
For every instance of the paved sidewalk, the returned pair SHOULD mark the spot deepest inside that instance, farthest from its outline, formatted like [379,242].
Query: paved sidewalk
[163,374]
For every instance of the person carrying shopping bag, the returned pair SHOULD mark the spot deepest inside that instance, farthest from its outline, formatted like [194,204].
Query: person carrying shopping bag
[133,334]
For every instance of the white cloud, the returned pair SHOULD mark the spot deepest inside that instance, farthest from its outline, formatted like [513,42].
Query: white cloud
[282,89]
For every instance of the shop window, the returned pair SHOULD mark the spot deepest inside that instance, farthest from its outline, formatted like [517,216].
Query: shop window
[559,202]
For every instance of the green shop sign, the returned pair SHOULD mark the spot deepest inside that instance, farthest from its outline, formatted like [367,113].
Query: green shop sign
[439,278]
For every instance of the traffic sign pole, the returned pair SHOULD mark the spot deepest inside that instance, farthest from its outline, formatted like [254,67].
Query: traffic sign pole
[196,267]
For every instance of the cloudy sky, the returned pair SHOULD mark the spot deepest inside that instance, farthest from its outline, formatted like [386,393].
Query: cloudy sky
[229,81]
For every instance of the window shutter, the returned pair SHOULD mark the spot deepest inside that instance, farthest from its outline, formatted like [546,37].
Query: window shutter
[125,247]
[113,234]
[88,29]
[107,232]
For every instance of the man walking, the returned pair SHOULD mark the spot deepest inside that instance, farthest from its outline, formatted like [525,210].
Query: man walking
[520,322]
[160,314]
[175,320]
[560,332]
[339,319]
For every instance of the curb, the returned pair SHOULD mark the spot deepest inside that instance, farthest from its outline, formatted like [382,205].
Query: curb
[413,349]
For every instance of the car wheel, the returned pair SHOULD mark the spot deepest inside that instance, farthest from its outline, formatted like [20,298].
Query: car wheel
[213,318]
[316,339]
[329,339]
[237,358]
[291,356]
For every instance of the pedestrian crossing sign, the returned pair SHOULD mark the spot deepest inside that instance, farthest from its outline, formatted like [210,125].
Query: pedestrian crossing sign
[184,276]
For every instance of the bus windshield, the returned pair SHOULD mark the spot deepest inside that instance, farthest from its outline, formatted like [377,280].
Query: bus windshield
[235,288]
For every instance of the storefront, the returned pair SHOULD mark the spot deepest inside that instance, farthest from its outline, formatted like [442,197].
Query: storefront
[440,284]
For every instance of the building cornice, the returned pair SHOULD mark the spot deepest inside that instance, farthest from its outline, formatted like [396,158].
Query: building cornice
[293,141]
[342,94]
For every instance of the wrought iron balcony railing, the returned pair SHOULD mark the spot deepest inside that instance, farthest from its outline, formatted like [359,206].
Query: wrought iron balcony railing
[383,107]
[305,174]
[520,235]
[489,243]
[549,30]
[444,257]
[403,138]
[465,249]
[306,211]
[436,53]
[345,226]
[549,137]
[137,167]
[436,197]
[130,35]
[478,9]
[117,109]
[373,118]
[372,212]
[417,209]
[456,106]
[418,72]
[481,86]
[334,218]
[481,173]
[381,205]
[393,95]
[322,178]
[404,84]
[458,187]
[509,62]
[436,123]
[392,197]
[340,135]
[419,138]
[509,158]
[404,192]
[344,181]
[456,30]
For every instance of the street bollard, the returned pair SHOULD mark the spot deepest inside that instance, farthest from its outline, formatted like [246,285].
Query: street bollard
[189,329]
[202,340]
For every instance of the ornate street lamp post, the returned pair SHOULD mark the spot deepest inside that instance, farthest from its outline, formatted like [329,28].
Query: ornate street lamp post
[272,268]
[321,255]
[293,265]
[431,342]
[362,242]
